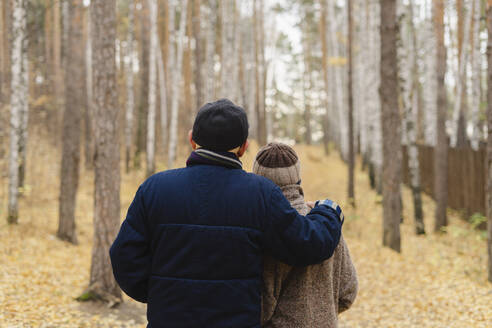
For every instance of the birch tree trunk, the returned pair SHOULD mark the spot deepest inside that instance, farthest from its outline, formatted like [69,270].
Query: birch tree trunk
[107,171]
[197,34]
[177,69]
[210,52]
[24,113]
[476,74]
[18,100]
[351,153]
[489,145]
[409,72]
[326,77]
[74,94]
[441,150]
[430,80]
[130,97]
[152,96]
[259,72]
[57,66]
[391,127]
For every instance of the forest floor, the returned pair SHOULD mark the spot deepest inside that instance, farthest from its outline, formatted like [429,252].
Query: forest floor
[438,280]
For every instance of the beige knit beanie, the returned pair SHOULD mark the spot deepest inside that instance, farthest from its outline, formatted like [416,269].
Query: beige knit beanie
[279,163]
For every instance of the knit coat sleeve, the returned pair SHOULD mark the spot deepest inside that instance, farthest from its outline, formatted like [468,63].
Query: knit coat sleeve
[348,279]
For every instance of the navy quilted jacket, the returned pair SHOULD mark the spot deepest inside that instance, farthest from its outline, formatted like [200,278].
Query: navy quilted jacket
[192,245]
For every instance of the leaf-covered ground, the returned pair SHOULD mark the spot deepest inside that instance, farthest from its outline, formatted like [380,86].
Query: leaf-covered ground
[437,280]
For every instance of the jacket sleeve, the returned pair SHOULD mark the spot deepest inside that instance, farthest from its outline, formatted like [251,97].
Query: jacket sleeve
[130,253]
[297,240]
[348,280]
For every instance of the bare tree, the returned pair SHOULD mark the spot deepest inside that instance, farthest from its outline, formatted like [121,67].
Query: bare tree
[391,127]
[177,69]
[74,95]
[107,171]
[210,51]
[489,146]
[441,150]
[162,95]
[152,95]
[130,98]
[476,65]
[351,153]
[18,102]
[88,136]
[197,34]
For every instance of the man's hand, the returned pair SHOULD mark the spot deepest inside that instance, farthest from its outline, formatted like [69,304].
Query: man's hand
[311,205]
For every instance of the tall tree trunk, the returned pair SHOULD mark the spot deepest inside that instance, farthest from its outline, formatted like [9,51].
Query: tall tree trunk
[57,66]
[409,72]
[107,171]
[259,73]
[177,69]
[162,96]
[441,150]
[489,146]
[74,89]
[326,77]
[188,103]
[18,100]
[152,95]
[210,51]
[351,153]
[306,82]
[130,97]
[197,34]
[88,135]
[141,142]
[391,127]
[24,113]
[430,81]
[476,59]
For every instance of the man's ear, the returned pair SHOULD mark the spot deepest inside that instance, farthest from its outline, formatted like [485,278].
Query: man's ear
[243,149]
[190,138]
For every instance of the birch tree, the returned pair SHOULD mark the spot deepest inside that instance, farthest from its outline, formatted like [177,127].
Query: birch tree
[391,127]
[151,113]
[197,34]
[441,150]
[89,138]
[177,69]
[476,65]
[74,95]
[409,75]
[351,153]
[210,51]
[107,173]
[18,103]
[130,97]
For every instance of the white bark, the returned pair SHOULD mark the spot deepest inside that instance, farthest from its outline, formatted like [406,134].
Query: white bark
[210,55]
[163,95]
[227,84]
[177,69]
[430,84]
[130,97]
[476,76]
[460,77]
[153,7]
[18,102]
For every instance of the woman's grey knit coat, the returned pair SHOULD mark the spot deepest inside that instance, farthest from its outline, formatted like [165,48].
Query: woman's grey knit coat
[298,297]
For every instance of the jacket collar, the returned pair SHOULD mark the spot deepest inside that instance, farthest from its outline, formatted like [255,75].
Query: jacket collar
[220,158]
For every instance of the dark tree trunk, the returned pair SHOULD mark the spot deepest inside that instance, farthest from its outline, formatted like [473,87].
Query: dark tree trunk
[74,95]
[441,153]
[391,124]
[107,160]
[489,145]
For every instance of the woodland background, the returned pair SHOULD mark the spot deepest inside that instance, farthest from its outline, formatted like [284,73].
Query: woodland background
[387,102]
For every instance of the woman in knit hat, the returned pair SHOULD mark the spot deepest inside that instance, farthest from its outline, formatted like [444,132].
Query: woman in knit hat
[297,297]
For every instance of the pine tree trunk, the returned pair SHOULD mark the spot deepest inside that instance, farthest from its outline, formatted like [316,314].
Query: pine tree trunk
[489,145]
[152,95]
[441,150]
[391,127]
[74,89]
[351,153]
[177,69]
[197,34]
[18,100]
[107,171]
[130,97]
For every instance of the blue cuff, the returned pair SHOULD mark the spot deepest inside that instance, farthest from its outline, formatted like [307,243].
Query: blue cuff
[333,205]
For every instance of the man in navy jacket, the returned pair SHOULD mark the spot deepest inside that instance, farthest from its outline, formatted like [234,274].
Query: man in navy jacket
[192,244]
